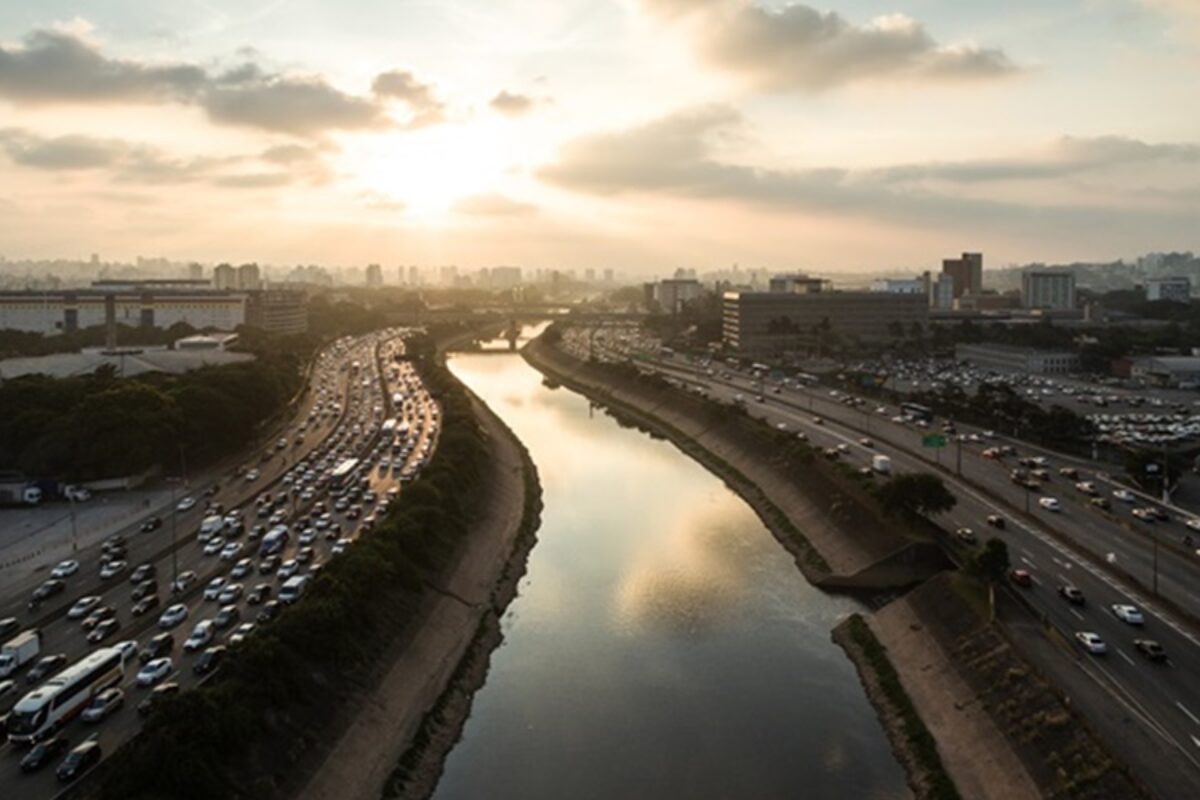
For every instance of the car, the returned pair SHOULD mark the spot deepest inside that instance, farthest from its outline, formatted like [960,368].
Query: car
[159,645]
[1101,502]
[259,594]
[1128,614]
[185,504]
[1091,642]
[65,569]
[45,667]
[98,615]
[268,565]
[128,648]
[144,605]
[1086,487]
[1124,495]
[44,752]
[104,704]
[207,661]
[9,626]
[305,555]
[213,590]
[1069,472]
[144,589]
[996,521]
[83,606]
[1050,504]
[843,448]
[103,630]
[226,617]
[270,611]
[231,551]
[1193,523]
[242,568]
[865,442]
[156,696]
[154,671]
[142,573]
[241,632]
[230,594]
[1021,578]
[151,524]
[1072,594]
[202,636]
[112,569]
[181,583]
[214,545]
[1150,649]
[287,569]
[173,616]
[818,421]
[254,474]
[1144,514]
[965,535]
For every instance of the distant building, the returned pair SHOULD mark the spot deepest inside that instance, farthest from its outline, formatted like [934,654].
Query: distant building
[225,277]
[207,341]
[1180,372]
[1048,289]
[248,278]
[941,292]
[608,276]
[1177,289]
[505,277]
[195,272]
[767,322]
[374,276]
[899,286]
[145,304]
[966,273]
[278,311]
[796,283]
[1017,359]
[671,295]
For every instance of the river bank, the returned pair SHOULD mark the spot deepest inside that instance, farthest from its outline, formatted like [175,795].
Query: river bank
[415,713]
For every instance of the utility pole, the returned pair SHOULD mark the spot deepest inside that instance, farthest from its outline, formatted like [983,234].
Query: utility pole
[958,457]
[74,530]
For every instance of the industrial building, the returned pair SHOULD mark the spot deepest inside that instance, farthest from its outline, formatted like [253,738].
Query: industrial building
[1177,372]
[1017,359]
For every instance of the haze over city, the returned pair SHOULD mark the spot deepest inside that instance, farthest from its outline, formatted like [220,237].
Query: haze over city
[643,134]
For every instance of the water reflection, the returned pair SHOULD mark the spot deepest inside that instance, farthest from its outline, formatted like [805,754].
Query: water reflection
[663,645]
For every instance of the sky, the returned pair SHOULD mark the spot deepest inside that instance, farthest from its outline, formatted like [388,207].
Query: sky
[637,135]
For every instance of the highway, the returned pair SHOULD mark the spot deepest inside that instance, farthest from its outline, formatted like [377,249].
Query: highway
[356,385]
[1161,701]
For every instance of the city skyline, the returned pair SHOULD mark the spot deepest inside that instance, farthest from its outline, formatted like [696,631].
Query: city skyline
[641,135]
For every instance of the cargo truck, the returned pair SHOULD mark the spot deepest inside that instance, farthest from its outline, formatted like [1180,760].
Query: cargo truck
[19,651]
[881,464]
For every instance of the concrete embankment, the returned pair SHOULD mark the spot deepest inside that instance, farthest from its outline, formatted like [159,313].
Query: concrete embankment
[416,711]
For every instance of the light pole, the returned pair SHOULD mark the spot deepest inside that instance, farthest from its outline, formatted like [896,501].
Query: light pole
[74,530]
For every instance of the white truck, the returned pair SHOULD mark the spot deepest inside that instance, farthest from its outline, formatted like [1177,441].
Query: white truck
[19,651]
[881,464]
[211,526]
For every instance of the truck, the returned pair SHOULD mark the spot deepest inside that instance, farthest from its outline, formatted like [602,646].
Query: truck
[20,495]
[212,525]
[19,651]
[881,464]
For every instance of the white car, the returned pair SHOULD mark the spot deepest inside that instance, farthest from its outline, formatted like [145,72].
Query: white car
[252,475]
[128,648]
[173,616]
[1193,523]
[65,569]
[1124,495]
[1050,504]
[185,504]
[112,569]
[230,594]
[83,606]
[184,580]
[1128,614]
[213,590]
[202,634]
[154,671]
[231,551]
[287,569]
[242,568]
[214,546]
[241,632]
[1091,642]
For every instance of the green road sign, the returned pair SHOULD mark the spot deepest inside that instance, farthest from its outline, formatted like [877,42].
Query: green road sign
[933,440]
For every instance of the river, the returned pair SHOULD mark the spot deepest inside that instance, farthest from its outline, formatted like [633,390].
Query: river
[663,644]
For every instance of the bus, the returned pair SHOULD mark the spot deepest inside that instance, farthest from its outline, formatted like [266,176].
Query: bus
[917,411]
[341,472]
[41,713]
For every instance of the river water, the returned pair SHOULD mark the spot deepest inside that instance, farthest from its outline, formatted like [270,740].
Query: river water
[663,644]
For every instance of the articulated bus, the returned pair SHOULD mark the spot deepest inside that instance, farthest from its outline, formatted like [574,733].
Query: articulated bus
[45,710]
[917,411]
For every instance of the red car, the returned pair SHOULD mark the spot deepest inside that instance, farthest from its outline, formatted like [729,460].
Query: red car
[1021,578]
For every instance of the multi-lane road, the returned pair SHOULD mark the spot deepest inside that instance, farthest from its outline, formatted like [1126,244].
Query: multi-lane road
[1153,708]
[364,409]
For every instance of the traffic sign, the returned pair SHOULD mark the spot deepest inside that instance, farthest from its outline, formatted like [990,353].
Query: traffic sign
[933,440]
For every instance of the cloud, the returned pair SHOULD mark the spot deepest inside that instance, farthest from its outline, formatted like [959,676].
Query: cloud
[674,156]
[511,104]
[60,153]
[58,66]
[493,205]
[400,85]
[797,47]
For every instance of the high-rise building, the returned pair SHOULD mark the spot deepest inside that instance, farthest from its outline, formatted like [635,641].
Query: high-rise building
[608,276]
[966,272]
[248,278]
[414,276]
[374,276]
[1178,289]
[225,276]
[195,271]
[1048,289]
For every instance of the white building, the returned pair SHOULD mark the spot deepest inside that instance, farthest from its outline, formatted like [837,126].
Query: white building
[1017,359]
[899,286]
[1048,289]
[138,307]
[1178,289]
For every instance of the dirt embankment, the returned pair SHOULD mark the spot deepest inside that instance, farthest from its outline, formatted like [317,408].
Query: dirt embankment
[417,710]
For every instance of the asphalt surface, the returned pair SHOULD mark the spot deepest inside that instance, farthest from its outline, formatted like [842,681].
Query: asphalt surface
[1158,703]
[365,399]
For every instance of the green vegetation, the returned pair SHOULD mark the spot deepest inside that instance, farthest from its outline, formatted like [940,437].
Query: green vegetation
[916,493]
[993,561]
[275,694]
[26,343]
[920,741]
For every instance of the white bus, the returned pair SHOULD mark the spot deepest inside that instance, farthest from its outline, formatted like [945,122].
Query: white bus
[341,473]
[45,710]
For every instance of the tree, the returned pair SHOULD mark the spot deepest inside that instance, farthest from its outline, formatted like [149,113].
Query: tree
[993,562]
[916,493]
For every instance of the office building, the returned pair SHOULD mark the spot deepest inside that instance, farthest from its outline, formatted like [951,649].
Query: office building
[796,283]
[1026,360]
[1177,289]
[248,278]
[672,295]
[225,277]
[966,273]
[277,311]
[1048,289]
[374,276]
[756,323]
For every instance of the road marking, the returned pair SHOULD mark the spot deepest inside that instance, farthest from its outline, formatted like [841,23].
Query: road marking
[1191,716]
[1076,613]
[1028,561]
[1121,653]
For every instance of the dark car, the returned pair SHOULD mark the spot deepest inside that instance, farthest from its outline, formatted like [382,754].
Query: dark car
[226,617]
[156,695]
[97,616]
[269,612]
[1101,502]
[259,594]
[1071,594]
[209,659]
[79,761]
[1150,649]
[44,752]
[151,524]
[143,573]
[305,555]
[47,590]
[8,627]
[46,667]
[144,589]
[158,646]
[102,631]
[269,565]
[996,521]
[1021,578]
[145,604]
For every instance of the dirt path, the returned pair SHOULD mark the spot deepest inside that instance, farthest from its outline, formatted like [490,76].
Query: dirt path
[359,764]
[974,751]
